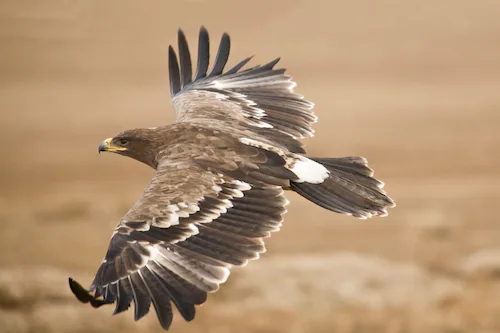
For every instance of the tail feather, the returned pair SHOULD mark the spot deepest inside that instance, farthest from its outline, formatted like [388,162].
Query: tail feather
[349,188]
[356,164]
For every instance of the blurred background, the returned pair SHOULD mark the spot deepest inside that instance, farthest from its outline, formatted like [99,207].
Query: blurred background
[414,86]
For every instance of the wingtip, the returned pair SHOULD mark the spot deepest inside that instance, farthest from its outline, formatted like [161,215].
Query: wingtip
[174,73]
[181,35]
[271,64]
[203,34]
[222,55]
[227,40]
[184,59]
[80,293]
[203,53]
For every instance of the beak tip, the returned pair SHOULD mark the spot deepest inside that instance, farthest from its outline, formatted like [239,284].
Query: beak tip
[103,146]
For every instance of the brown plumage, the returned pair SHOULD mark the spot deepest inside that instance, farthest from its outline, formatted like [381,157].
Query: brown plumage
[218,189]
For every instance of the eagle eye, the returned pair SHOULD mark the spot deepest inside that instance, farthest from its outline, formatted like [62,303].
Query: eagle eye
[123,142]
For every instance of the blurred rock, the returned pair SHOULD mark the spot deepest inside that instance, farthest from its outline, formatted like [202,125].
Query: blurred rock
[326,281]
[482,264]
[25,288]
[39,300]
[306,283]
[13,321]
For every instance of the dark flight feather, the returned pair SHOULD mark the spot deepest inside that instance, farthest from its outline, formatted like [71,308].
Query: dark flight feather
[142,299]
[203,54]
[124,296]
[238,66]
[159,296]
[222,56]
[184,59]
[173,70]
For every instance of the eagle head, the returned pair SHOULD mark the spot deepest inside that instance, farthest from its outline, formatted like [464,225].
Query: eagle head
[141,144]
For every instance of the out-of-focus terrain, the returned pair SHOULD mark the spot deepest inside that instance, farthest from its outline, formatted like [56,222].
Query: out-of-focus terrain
[414,86]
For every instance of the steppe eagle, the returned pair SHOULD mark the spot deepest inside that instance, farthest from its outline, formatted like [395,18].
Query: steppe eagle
[218,191]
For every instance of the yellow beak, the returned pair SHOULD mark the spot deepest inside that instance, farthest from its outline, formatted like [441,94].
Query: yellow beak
[107,146]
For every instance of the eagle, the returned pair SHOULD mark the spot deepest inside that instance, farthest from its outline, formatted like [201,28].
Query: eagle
[218,190]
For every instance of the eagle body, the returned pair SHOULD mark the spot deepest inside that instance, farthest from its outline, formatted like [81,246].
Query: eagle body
[218,189]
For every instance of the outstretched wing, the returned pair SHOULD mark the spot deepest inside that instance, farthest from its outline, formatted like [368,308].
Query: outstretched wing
[260,97]
[181,237]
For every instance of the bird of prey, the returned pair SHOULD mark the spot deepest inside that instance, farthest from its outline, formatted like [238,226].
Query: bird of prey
[218,190]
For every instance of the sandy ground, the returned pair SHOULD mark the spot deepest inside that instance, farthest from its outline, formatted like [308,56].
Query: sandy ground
[414,86]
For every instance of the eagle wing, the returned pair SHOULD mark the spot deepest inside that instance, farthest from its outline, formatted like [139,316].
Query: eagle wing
[260,98]
[190,225]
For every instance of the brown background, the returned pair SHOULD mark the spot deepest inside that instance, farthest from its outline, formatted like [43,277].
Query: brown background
[414,86]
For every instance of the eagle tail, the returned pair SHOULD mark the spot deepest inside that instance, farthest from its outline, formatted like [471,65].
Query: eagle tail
[349,188]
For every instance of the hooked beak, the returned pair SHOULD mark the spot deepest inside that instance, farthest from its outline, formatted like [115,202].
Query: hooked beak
[107,146]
